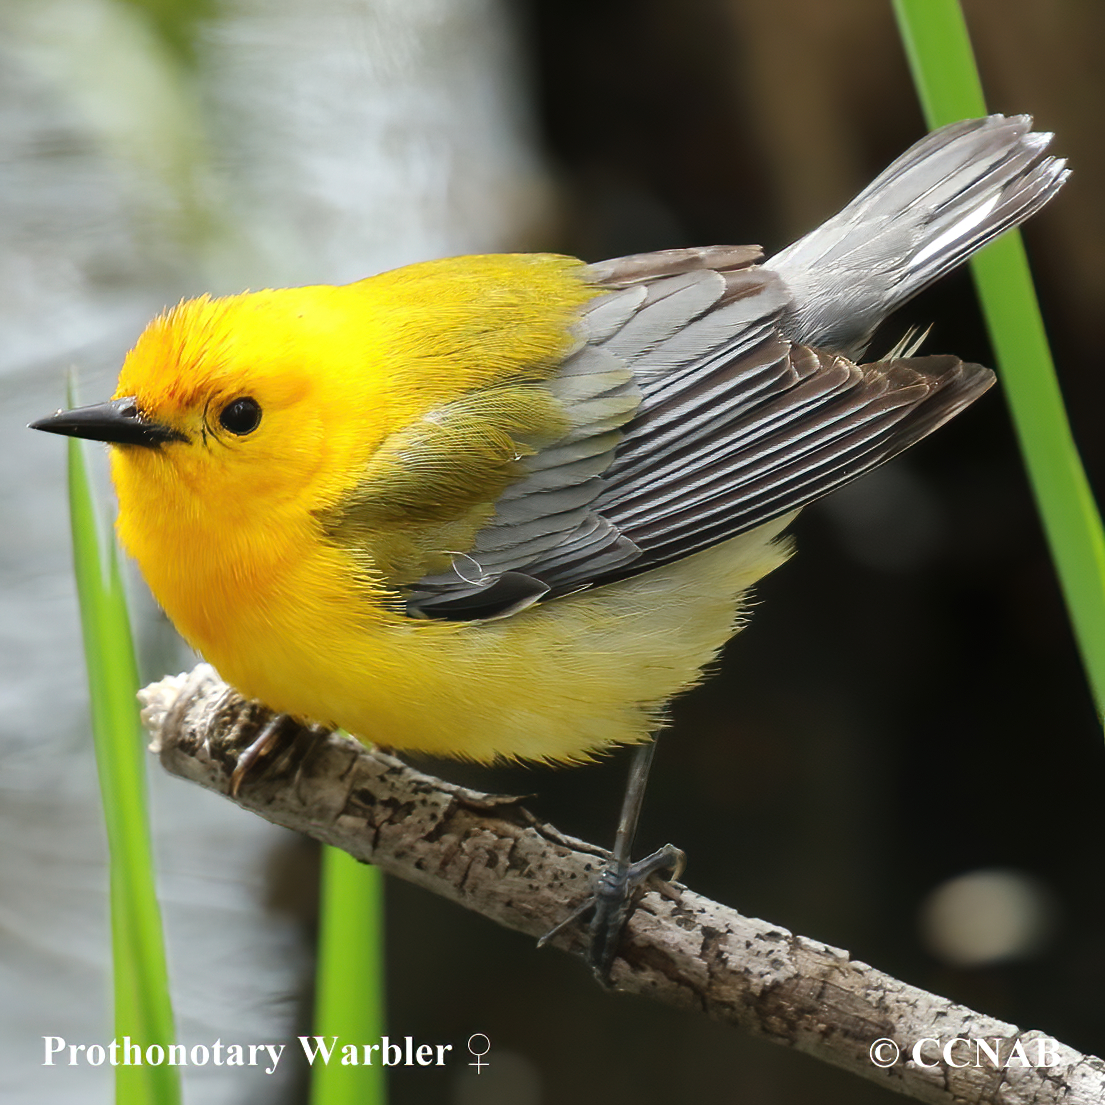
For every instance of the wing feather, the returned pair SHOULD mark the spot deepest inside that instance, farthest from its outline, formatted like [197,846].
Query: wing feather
[690,418]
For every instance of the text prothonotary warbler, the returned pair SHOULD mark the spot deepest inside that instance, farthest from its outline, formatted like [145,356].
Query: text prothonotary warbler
[508,506]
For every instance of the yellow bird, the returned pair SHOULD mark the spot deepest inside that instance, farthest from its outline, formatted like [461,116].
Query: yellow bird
[509,506]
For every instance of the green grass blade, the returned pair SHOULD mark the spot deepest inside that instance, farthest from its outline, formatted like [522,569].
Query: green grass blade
[941,60]
[141,986]
[350,980]
[939,50]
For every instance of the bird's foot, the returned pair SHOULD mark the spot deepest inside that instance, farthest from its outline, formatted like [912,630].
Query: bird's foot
[612,903]
[279,732]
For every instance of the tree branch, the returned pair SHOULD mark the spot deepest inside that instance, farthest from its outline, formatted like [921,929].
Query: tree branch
[487,853]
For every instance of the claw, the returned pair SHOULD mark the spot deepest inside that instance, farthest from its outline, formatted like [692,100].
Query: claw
[270,736]
[580,910]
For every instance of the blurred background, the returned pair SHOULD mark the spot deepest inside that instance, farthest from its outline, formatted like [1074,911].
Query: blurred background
[899,756]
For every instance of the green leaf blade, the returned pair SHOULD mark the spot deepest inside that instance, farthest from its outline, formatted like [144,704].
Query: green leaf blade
[143,1011]
[350,982]
[938,47]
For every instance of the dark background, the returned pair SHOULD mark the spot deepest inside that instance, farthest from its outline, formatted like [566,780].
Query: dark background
[907,703]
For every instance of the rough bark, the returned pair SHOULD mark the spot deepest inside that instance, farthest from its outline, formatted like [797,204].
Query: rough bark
[487,853]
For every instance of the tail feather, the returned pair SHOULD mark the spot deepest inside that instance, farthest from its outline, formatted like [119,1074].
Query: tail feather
[941,201]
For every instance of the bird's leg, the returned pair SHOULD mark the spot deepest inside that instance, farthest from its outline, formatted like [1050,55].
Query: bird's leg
[610,905]
[620,878]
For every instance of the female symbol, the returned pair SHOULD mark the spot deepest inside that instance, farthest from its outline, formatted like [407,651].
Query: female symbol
[479,1045]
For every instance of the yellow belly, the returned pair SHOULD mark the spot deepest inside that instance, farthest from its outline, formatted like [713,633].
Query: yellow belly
[558,681]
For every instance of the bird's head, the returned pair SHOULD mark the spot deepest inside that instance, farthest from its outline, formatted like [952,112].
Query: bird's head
[222,415]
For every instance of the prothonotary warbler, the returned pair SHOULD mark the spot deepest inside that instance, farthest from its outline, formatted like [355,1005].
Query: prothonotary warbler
[509,506]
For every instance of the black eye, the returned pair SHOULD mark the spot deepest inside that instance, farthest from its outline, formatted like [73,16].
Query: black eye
[241,417]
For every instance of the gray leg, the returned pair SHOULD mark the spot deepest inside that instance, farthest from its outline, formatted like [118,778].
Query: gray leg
[610,905]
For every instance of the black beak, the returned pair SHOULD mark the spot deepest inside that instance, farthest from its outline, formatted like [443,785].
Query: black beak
[118,421]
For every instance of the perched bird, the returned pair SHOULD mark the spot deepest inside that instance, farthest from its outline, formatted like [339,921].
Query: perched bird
[509,506]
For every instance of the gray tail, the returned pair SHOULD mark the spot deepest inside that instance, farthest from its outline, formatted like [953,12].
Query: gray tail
[943,199]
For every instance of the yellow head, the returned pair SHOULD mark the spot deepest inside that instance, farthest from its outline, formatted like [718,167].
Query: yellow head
[251,425]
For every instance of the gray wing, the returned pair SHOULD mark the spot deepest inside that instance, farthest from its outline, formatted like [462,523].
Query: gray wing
[692,420]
